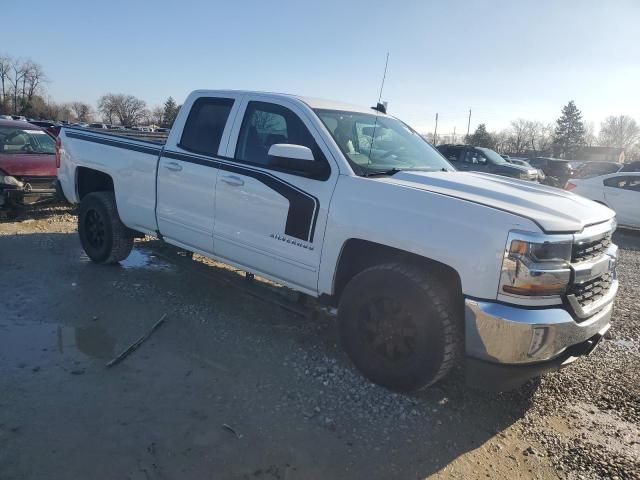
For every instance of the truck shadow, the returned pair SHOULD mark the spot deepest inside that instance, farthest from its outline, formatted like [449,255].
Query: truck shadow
[218,315]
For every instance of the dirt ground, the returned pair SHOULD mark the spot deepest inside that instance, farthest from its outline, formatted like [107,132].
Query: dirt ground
[233,385]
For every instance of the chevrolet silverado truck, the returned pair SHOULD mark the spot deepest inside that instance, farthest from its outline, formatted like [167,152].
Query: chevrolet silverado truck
[428,267]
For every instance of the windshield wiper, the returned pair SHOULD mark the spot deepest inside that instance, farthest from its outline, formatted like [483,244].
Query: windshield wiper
[375,173]
[393,171]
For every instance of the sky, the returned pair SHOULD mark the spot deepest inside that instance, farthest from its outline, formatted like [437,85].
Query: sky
[501,59]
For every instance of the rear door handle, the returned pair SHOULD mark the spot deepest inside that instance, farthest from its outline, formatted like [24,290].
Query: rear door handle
[173,166]
[232,180]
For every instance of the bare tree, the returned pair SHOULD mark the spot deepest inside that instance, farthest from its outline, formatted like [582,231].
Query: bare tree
[19,71]
[33,78]
[621,132]
[156,116]
[81,111]
[5,68]
[520,135]
[128,109]
[107,107]
[589,134]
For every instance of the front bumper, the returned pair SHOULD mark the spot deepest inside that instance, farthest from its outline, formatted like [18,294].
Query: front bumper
[523,343]
[25,195]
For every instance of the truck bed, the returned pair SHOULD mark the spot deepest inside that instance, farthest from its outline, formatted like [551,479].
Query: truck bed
[158,138]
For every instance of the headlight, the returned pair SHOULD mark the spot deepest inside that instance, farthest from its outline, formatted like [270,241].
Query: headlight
[9,180]
[535,266]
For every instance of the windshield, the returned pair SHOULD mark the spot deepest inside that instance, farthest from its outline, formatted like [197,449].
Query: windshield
[493,156]
[16,140]
[377,144]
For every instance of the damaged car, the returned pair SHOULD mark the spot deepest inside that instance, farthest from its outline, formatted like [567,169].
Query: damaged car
[27,165]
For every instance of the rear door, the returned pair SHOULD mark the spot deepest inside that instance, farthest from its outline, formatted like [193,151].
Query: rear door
[622,193]
[187,173]
[270,220]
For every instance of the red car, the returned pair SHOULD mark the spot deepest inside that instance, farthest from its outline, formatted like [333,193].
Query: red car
[27,164]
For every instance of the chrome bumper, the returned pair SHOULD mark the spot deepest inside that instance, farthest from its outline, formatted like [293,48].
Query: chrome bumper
[518,336]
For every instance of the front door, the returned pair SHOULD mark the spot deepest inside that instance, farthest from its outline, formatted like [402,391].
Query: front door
[187,174]
[272,221]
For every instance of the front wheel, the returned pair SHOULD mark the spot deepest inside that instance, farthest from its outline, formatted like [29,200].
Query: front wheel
[104,237]
[399,326]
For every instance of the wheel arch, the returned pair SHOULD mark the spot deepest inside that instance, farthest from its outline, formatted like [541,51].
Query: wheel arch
[357,255]
[89,180]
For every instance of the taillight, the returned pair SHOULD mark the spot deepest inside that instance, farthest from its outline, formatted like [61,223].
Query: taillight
[58,146]
[570,186]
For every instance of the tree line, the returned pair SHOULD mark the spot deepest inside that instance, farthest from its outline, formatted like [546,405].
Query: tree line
[22,92]
[564,139]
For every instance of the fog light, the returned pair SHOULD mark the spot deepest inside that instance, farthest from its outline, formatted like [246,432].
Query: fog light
[538,337]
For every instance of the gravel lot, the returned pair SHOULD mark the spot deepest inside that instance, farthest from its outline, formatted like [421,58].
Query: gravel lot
[233,386]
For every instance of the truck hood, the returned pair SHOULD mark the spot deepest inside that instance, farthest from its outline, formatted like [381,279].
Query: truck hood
[27,164]
[554,210]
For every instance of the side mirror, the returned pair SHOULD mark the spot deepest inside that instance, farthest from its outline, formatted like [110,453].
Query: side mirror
[297,158]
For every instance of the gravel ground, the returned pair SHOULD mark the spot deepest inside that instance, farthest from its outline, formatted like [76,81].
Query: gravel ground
[223,347]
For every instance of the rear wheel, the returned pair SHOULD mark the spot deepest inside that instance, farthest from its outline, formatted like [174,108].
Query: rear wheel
[399,326]
[104,237]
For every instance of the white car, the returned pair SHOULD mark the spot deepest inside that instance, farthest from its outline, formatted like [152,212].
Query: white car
[619,191]
[427,267]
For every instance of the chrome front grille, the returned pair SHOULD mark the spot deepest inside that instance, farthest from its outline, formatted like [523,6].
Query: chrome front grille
[593,260]
[590,249]
[590,292]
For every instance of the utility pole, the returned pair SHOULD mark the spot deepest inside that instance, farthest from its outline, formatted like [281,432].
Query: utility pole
[454,135]
[435,131]
[469,124]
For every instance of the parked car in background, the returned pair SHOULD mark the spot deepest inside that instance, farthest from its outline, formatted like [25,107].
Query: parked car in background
[27,164]
[20,118]
[619,191]
[479,159]
[524,163]
[98,125]
[6,117]
[556,171]
[595,169]
[630,167]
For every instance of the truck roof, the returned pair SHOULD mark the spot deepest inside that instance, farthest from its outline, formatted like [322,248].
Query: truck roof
[312,102]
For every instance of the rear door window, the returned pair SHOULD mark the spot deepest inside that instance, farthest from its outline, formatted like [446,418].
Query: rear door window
[204,126]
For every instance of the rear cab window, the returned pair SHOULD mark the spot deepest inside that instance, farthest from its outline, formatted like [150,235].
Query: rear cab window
[205,125]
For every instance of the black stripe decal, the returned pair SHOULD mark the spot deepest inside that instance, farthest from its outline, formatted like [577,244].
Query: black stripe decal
[108,133]
[115,143]
[303,207]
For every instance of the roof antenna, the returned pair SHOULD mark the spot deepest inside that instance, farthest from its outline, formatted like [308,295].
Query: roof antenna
[382,107]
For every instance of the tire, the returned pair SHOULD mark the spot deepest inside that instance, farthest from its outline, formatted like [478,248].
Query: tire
[400,327]
[104,237]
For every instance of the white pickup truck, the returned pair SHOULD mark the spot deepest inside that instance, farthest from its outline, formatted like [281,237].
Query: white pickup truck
[428,267]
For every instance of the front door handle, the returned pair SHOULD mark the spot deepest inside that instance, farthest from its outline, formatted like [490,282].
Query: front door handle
[232,180]
[173,166]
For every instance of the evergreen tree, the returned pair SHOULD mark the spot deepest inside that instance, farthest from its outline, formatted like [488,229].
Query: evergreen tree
[481,138]
[170,112]
[570,132]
